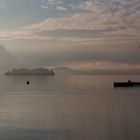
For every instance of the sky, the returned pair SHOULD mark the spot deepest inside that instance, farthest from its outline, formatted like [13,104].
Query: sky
[82,34]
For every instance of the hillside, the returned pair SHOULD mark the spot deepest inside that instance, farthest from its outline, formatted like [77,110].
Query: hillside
[67,70]
[6,59]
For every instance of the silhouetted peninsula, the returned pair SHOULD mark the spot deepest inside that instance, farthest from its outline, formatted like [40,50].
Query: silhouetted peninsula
[25,71]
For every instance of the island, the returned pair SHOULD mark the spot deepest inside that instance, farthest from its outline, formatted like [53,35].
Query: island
[25,71]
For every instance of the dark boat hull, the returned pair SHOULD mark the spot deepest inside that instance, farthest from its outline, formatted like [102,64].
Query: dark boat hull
[126,84]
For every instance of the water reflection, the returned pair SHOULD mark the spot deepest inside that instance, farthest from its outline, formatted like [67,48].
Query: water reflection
[36,134]
[62,108]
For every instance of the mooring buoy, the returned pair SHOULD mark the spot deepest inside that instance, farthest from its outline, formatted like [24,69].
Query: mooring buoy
[27,82]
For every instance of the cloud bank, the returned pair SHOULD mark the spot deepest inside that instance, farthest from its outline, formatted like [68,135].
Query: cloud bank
[102,17]
[100,33]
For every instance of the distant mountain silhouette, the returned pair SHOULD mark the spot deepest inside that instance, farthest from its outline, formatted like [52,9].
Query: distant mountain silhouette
[67,70]
[6,59]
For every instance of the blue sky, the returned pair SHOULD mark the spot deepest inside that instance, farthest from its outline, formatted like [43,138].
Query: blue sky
[82,33]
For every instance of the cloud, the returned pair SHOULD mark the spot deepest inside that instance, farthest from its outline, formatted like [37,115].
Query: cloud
[87,5]
[77,21]
[102,19]
[81,26]
[45,7]
[53,4]
[16,35]
[103,65]
[87,35]
[88,21]
[102,15]
[61,8]
[78,27]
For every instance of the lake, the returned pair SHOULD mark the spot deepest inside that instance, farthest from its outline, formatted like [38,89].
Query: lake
[69,107]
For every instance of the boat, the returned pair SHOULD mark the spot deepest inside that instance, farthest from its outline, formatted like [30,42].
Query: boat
[126,84]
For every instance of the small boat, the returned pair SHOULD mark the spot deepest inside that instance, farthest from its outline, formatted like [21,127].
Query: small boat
[126,84]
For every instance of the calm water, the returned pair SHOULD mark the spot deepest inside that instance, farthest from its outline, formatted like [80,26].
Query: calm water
[72,107]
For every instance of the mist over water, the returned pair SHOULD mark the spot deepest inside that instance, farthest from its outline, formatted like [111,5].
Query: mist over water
[77,39]
[68,107]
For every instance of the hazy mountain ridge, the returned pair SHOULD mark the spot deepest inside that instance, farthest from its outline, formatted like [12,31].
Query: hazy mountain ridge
[67,70]
[7,60]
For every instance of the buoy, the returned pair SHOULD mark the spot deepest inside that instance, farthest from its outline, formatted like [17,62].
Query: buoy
[27,82]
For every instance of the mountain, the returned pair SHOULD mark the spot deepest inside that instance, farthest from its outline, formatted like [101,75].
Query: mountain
[7,60]
[67,70]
